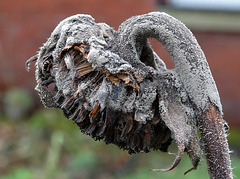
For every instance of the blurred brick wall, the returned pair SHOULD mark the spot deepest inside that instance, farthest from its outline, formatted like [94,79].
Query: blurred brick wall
[223,54]
[26,24]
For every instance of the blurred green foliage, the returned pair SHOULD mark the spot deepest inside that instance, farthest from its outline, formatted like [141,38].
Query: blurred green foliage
[46,145]
[16,102]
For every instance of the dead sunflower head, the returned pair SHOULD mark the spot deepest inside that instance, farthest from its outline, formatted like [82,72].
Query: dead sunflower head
[116,89]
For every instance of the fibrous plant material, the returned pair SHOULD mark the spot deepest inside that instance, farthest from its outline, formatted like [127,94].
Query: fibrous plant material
[116,89]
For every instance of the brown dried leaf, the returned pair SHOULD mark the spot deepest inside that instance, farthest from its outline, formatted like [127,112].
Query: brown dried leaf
[113,78]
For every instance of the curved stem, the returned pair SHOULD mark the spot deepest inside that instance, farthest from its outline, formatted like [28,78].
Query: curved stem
[195,75]
[189,60]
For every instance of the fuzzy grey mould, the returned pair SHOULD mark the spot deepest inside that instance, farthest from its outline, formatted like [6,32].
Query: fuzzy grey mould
[115,87]
[189,60]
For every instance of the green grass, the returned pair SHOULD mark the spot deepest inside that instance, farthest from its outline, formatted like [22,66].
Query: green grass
[47,145]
